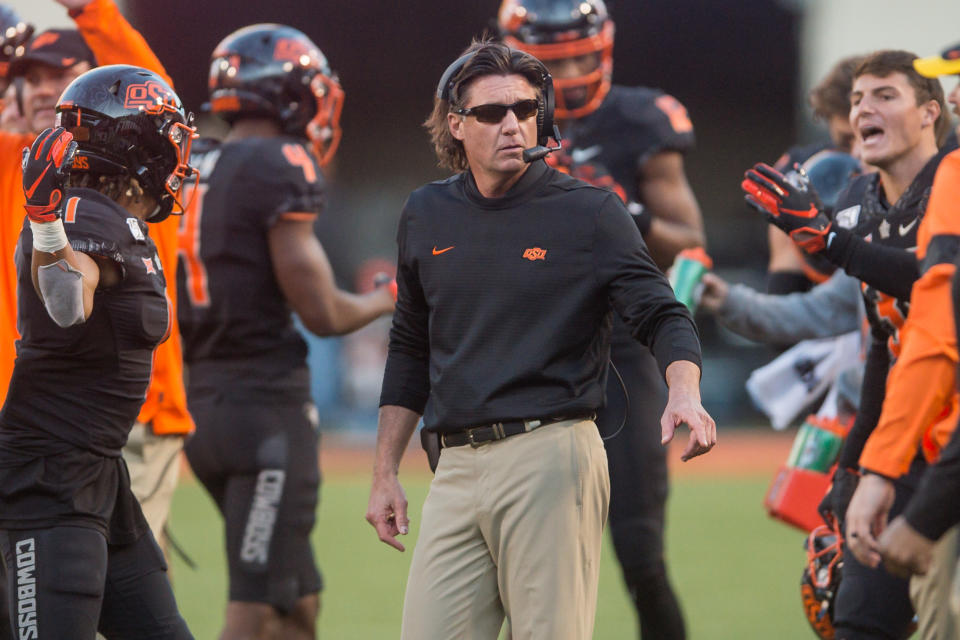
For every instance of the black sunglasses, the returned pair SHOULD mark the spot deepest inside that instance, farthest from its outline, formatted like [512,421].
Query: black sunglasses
[494,113]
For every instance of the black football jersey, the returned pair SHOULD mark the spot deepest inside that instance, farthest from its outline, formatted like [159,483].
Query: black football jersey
[631,124]
[862,209]
[231,307]
[83,385]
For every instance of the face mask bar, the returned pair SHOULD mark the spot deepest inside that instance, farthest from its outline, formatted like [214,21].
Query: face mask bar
[181,136]
[324,129]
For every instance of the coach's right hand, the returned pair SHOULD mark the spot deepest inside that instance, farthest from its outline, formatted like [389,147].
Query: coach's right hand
[387,509]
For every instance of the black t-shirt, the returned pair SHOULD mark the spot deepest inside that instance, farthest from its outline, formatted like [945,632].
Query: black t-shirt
[82,386]
[235,321]
[505,304]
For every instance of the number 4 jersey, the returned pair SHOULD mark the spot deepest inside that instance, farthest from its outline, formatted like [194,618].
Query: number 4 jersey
[230,305]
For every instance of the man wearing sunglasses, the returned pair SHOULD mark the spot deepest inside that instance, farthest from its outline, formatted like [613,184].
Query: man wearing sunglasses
[508,276]
[632,140]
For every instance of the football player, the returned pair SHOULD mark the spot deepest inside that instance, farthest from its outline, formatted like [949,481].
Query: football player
[92,305]
[44,68]
[790,269]
[920,407]
[632,140]
[248,257]
[899,118]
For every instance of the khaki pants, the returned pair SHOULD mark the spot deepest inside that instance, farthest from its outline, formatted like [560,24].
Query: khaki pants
[930,594]
[154,463]
[513,528]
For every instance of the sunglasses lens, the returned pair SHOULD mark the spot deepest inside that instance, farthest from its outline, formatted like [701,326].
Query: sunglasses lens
[525,109]
[489,113]
[494,113]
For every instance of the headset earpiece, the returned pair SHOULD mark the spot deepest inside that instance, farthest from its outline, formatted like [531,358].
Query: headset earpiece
[545,124]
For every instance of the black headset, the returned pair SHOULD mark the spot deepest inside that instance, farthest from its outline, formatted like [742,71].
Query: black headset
[546,128]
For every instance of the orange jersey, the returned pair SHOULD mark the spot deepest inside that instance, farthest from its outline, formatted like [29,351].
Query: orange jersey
[11,221]
[113,41]
[921,404]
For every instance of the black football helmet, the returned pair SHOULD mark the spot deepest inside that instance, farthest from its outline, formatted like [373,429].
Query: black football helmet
[559,29]
[127,120]
[276,71]
[14,35]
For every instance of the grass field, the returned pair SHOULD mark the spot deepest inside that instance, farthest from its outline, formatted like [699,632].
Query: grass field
[737,572]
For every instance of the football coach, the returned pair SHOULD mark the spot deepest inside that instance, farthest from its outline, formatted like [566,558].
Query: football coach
[508,274]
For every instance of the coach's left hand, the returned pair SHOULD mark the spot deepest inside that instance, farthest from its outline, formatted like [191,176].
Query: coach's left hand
[867,517]
[905,551]
[683,407]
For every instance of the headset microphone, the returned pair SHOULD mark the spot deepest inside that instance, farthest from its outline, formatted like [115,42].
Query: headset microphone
[540,152]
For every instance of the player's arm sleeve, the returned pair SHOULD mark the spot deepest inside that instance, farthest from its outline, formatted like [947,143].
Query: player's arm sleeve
[406,379]
[829,309]
[871,401]
[887,269]
[638,290]
[921,390]
[113,40]
[934,507]
[922,382]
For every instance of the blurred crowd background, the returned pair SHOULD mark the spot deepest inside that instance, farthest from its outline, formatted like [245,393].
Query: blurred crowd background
[741,67]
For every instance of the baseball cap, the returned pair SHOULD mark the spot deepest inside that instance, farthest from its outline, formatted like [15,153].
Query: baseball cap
[947,63]
[59,48]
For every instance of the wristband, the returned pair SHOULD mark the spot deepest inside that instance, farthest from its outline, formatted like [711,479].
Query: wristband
[48,237]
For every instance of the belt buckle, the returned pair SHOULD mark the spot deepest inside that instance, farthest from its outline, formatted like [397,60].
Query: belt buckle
[473,443]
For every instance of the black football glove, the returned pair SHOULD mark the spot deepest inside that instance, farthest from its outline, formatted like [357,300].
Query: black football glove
[835,502]
[789,202]
[46,167]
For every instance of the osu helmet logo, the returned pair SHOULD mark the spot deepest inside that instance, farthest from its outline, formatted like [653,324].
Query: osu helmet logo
[294,50]
[535,253]
[150,96]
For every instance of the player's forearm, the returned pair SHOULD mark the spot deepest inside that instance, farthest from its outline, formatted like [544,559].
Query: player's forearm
[345,312]
[395,426]
[887,269]
[667,238]
[829,309]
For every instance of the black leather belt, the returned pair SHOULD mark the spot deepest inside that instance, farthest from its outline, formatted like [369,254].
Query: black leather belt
[475,436]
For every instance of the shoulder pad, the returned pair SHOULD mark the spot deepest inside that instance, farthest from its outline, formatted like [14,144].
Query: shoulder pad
[94,224]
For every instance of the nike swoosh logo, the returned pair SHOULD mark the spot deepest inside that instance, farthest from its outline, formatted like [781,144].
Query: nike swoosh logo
[905,229]
[437,252]
[36,184]
[582,155]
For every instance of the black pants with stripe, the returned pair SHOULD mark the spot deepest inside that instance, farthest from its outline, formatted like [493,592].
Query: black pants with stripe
[67,582]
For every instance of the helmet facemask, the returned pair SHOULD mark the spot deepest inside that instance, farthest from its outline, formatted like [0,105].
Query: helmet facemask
[578,96]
